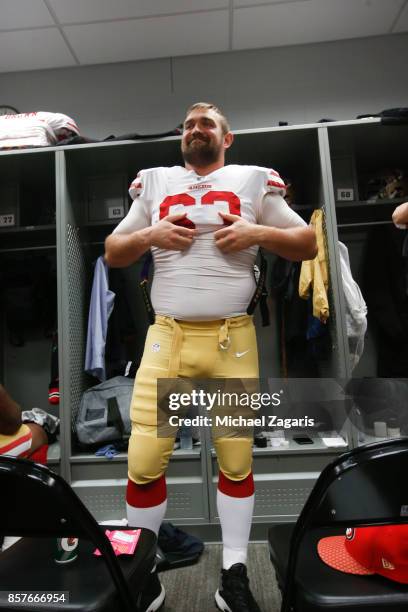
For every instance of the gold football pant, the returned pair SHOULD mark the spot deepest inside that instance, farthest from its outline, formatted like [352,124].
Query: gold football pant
[189,350]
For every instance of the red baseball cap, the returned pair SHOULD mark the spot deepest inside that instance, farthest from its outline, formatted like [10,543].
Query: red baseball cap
[369,550]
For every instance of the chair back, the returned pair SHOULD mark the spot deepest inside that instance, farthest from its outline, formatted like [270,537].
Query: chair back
[37,502]
[366,486]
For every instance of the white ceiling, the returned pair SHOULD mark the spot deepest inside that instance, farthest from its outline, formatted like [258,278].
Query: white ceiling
[38,34]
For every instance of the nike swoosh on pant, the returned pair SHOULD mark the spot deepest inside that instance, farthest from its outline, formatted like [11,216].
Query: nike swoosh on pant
[242,354]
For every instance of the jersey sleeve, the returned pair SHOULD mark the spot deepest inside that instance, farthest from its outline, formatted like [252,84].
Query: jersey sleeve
[138,185]
[272,209]
[138,216]
[275,212]
[274,183]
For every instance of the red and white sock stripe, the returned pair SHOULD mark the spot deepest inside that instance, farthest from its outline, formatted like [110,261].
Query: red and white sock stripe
[146,504]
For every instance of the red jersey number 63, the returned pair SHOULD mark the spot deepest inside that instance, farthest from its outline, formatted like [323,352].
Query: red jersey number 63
[210,197]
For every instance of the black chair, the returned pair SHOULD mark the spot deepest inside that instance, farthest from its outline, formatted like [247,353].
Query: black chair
[39,505]
[367,486]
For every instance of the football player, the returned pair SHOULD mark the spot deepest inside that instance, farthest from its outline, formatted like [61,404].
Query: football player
[204,224]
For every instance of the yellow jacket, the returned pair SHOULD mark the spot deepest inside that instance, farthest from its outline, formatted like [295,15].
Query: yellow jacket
[314,273]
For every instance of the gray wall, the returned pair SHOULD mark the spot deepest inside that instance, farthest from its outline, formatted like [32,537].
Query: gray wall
[299,84]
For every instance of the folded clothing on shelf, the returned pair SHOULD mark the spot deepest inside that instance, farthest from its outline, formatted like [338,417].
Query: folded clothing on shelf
[47,421]
[36,129]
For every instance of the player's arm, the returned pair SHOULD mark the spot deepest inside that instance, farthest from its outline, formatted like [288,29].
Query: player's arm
[130,239]
[10,414]
[281,231]
[295,243]
[400,216]
[135,234]
[123,249]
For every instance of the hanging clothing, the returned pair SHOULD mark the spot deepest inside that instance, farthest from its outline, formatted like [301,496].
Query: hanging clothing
[301,353]
[314,276]
[356,309]
[53,387]
[100,309]
[128,324]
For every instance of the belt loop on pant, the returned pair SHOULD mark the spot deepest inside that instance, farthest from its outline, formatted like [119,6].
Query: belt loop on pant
[177,340]
[224,340]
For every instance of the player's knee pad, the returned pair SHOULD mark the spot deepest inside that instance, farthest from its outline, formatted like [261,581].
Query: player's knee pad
[234,457]
[148,457]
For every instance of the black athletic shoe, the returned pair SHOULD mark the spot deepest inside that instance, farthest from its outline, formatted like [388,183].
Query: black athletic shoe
[235,594]
[152,596]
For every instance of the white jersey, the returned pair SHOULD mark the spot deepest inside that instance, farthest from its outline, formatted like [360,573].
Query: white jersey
[202,283]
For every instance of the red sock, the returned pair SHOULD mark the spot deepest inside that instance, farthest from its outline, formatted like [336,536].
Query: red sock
[146,504]
[54,394]
[236,488]
[146,495]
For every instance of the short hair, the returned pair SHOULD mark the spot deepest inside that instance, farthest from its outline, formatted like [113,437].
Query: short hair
[224,123]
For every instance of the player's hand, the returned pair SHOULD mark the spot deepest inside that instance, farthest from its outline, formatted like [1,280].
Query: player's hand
[400,215]
[239,235]
[166,235]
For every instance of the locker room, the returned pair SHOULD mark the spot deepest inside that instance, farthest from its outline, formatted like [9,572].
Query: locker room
[301,107]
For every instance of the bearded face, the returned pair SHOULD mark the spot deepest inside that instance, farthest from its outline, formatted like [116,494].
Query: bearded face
[202,142]
[201,150]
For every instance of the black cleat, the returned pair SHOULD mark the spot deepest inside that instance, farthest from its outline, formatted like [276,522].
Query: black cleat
[152,596]
[235,594]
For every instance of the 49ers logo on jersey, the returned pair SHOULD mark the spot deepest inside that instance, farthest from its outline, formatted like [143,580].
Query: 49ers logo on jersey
[186,199]
[198,187]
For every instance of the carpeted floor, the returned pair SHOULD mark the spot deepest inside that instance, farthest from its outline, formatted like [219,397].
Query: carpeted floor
[191,589]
